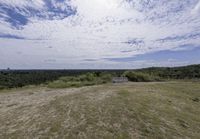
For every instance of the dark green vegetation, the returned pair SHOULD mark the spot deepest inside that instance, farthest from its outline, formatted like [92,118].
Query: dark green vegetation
[86,79]
[154,110]
[76,78]
[20,78]
[141,76]
[186,72]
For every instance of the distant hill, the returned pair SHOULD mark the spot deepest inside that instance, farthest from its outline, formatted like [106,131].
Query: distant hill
[184,72]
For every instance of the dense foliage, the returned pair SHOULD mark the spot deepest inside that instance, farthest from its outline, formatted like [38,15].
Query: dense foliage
[20,78]
[81,80]
[140,77]
[186,72]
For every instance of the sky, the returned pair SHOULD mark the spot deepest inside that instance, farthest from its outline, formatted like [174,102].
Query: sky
[98,34]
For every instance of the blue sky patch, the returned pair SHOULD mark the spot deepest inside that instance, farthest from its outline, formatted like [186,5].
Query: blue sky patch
[9,36]
[191,54]
[18,17]
[13,17]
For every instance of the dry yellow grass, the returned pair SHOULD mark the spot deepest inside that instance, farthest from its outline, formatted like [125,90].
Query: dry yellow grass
[131,110]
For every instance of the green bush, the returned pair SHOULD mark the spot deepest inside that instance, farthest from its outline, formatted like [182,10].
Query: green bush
[2,87]
[58,84]
[62,84]
[106,77]
[69,78]
[87,79]
[140,77]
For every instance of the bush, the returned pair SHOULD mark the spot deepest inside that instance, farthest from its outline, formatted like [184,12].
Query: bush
[69,78]
[140,77]
[2,87]
[58,84]
[87,79]
[106,77]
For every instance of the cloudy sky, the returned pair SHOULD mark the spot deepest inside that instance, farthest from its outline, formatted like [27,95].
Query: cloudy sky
[71,34]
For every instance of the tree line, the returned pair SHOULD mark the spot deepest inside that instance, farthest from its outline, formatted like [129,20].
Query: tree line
[20,78]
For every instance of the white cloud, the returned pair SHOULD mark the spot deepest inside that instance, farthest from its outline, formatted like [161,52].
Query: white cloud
[24,3]
[196,9]
[99,30]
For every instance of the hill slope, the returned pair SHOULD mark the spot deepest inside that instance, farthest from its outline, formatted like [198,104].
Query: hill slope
[132,110]
[185,72]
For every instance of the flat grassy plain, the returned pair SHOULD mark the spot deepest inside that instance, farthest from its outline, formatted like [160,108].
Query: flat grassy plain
[120,111]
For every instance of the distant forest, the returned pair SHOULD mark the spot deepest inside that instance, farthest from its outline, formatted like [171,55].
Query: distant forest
[185,72]
[20,78]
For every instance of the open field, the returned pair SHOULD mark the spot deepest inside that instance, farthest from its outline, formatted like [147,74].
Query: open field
[121,111]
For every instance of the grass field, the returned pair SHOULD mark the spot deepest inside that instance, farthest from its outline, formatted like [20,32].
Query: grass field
[120,111]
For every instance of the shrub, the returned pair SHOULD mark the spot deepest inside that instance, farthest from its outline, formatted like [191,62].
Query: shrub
[87,79]
[58,84]
[69,78]
[106,77]
[2,87]
[140,77]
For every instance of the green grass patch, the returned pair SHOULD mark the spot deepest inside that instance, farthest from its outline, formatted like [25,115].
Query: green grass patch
[124,93]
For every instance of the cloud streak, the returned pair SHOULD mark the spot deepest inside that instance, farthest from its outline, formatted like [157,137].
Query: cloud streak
[95,29]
